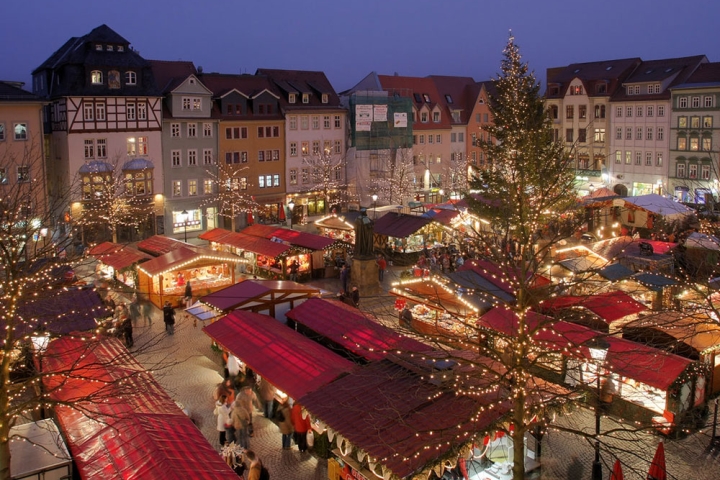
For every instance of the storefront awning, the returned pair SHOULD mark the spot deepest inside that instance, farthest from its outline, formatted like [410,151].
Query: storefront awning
[472,281]
[143,433]
[351,329]
[183,256]
[334,222]
[124,258]
[293,237]
[256,294]
[288,360]
[399,225]
[609,306]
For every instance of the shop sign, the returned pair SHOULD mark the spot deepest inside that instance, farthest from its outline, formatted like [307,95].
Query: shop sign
[354,475]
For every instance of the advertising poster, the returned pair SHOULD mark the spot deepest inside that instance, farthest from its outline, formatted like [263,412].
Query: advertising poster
[363,117]
[400,120]
[380,113]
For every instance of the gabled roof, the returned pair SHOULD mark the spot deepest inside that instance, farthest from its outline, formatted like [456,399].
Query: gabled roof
[455,94]
[675,70]
[301,81]
[292,237]
[399,225]
[707,74]
[416,88]
[13,92]
[169,74]
[591,73]
[610,306]
[185,255]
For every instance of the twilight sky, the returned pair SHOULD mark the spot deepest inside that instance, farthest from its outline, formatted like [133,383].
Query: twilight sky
[348,39]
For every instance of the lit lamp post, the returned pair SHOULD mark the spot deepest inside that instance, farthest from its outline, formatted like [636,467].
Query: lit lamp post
[184,217]
[374,197]
[598,351]
[442,194]
[291,206]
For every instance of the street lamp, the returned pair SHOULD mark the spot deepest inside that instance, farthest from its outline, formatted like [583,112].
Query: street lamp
[598,347]
[291,206]
[442,194]
[184,217]
[374,197]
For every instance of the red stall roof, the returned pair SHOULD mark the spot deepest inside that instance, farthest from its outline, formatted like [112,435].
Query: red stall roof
[104,249]
[214,235]
[251,293]
[394,415]
[159,245]
[133,429]
[348,327]
[399,225]
[610,306]
[184,255]
[292,362]
[293,237]
[648,365]
[250,243]
[124,258]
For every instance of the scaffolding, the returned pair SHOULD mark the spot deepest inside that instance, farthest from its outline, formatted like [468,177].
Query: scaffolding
[383,135]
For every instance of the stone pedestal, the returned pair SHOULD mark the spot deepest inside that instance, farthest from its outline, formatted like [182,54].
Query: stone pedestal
[364,275]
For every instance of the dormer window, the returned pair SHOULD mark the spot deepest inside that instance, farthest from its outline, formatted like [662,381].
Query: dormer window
[96,77]
[98,47]
[418,98]
[554,90]
[130,78]
[436,117]
[448,99]
[576,90]
[292,98]
[601,88]
[426,97]
[424,117]
[324,98]
[306,98]
[120,48]
[456,116]
[191,81]
[630,90]
[110,48]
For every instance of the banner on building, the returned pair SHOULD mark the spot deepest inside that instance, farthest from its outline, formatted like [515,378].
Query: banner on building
[400,120]
[380,113]
[363,117]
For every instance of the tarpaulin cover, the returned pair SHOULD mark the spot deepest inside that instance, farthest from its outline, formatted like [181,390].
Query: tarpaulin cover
[608,306]
[392,414]
[124,425]
[399,225]
[293,237]
[290,361]
[348,327]
[648,365]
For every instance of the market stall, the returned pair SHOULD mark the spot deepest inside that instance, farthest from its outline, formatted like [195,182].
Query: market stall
[164,278]
[159,245]
[38,452]
[403,233]
[264,257]
[118,262]
[337,228]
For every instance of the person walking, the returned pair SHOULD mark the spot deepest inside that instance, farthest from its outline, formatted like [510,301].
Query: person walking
[294,268]
[127,329]
[344,273]
[247,398]
[145,310]
[285,423]
[355,297]
[134,309]
[223,408]
[256,470]
[267,395]
[382,265]
[240,419]
[301,426]
[169,318]
[188,295]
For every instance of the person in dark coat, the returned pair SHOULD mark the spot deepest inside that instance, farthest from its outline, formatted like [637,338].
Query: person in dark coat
[127,329]
[294,267]
[355,297]
[406,317]
[344,274]
[188,295]
[169,318]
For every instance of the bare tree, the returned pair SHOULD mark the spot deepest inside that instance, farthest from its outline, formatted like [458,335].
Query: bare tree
[398,182]
[327,175]
[230,195]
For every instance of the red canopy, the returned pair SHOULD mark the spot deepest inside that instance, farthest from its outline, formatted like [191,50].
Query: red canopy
[159,245]
[399,225]
[215,235]
[184,256]
[131,429]
[617,473]
[124,258]
[104,249]
[292,362]
[293,237]
[348,327]
[657,467]
[610,306]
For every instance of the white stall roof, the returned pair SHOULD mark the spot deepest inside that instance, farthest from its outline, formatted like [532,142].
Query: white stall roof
[37,447]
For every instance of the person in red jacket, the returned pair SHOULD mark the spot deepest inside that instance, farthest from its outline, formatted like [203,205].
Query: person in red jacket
[382,265]
[301,426]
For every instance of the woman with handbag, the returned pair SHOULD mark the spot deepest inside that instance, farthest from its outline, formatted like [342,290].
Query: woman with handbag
[301,425]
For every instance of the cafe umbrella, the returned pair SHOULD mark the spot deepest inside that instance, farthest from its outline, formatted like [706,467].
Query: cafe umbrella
[657,467]
[617,473]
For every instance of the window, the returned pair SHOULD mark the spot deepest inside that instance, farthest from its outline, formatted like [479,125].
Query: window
[261,132]
[192,158]
[694,144]
[576,90]
[293,176]
[618,112]
[207,130]
[649,133]
[692,170]
[192,188]
[338,146]
[628,133]
[695,102]
[232,157]
[570,111]
[130,78]
[438,138]
[683,102]
[569,135]
[305,175]
[293,149]
[88,112]
[142,111]
[628,158]
[618,157]
[422,139]
[130,111]
[650,110]
[337,121]
[582,111]
[708,101]
[292,98]
[424,117]
[21,131]
[316,147]
[100,111]
[682,143]
[305,148]
[436,117]
[142,145]
[705,172]
[582,135]
[261,155]
[694,122]
[660,133]
[207,186]
[174,129]
[89,148]
[648,159]
[23,174]
[191,130]
[431,139]
[599,135]
[659,160]
[599,111]
[639,111]
[207,156]
[453,137]
[315,122]
[327,147]
[2,132]
[306,98]
[191,103]
[175,158]
[553,113]
[98,47]
[628,111]
[707,144]
[326,122]
[96,77]
[618,133]
[243,157]
[276,180]
[3,176]
[304,122]
[177,188]
[292,122]
[101,150]
[461,136]
[638,158]
[637,89]
[681,170]
[707,122]
[638,133]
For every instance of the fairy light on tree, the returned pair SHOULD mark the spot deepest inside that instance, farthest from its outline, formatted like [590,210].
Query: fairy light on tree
[230,193]
[326,175]
[397,183]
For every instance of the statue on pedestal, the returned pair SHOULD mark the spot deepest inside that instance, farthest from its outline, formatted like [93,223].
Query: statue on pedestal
[364,244]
